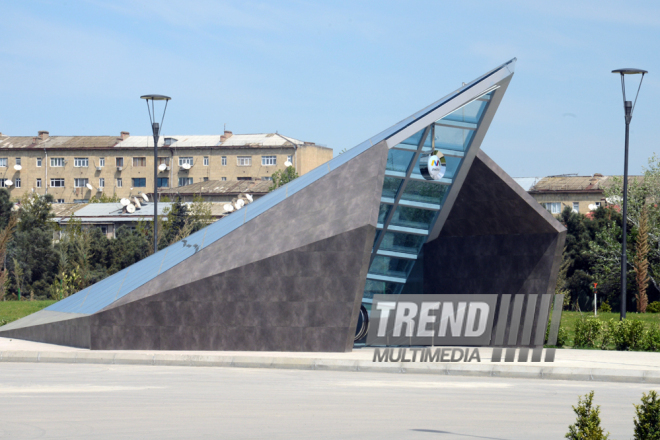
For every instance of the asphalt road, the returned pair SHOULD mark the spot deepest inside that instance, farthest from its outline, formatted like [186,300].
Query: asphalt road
[143,402]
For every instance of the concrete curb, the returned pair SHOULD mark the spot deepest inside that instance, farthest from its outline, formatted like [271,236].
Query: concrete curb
[301,363]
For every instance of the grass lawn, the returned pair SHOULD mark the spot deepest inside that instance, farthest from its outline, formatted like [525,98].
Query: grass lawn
[13,310]
[568,320]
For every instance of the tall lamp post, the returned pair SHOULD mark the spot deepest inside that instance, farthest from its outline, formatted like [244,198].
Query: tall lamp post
[155,127]
[628,108]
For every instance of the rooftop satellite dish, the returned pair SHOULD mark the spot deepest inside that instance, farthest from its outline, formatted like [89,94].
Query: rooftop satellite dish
[228,207]
[185,166]
[18,167]
[240,203]
[249,197]
[592,207]
[137,202]
[125,202]
[130,208]
[8,182]
[144,196]
[287,163]
[89,187]
[162,167]
[613,200]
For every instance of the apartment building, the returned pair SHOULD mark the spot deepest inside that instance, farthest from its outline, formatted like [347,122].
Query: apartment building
[66,166]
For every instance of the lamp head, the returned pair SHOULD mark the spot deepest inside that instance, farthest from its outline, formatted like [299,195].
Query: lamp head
[156,97]
[630,71]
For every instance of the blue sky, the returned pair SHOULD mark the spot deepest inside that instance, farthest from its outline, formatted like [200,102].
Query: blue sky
[337,72]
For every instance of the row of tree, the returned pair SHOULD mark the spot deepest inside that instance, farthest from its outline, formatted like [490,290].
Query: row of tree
[593,247]
[42,260]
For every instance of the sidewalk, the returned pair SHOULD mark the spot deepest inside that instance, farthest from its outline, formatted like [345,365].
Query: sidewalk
[611,366]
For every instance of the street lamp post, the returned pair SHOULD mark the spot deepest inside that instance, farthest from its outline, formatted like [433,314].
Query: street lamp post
[628,108]
[155,127]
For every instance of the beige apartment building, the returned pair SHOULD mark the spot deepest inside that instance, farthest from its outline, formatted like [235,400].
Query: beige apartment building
[65,166]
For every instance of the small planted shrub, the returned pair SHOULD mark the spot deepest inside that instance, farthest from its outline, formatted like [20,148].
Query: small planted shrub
[605,307]
[647,417]
[652,338]
[587,425]
[628,334]
[562,336]
[587,333]
[654,307]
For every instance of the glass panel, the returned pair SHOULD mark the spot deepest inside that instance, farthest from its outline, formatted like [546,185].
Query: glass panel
[398,160]
[412,217]
[372,288]
[414,140]
[425,192]
[391,186]
[391,267]
[468,113]
[404,243]
[383,211]
[452,138]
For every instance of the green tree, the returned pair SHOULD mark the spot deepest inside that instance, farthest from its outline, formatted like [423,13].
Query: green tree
[129,247]
[587,425]
[6,206]
[283,177]
[177,217]
[32,245]
[104,198]
[647,417]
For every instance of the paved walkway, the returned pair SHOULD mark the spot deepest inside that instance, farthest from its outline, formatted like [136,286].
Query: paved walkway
[613,366]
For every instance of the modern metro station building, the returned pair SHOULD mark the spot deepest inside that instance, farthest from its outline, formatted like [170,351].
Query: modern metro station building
[418,208]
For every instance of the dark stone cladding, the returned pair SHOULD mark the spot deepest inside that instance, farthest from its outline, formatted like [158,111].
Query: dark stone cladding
[72,332]
[300,300]
[290,279]
[497,240]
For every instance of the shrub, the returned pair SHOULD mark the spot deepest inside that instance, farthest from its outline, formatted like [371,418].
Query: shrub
[647,418]
[587,425]
[605,307]
[562,336]
[606,334]
[587,332]
[652,339]
[628,334]
[654,307]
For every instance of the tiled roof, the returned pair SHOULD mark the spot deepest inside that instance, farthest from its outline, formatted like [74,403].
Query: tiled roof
[221,187]
[59,142]
[595,183]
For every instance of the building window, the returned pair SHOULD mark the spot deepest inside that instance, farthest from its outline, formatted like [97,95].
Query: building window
[223,178]
[554,207]
[169,141]
[184,160]
[268,160]
[119,161]
[80,183]
[139,182]
[80,200]
[3,161]
[289,158]
[57,183]
[3,183]
[244,178]
[101,182]
[164,161]
[224,160]
[183,181]
[101,161]
[120,183]
[163,182]
[576,206]
[18,161]
[244,161]
[17,182]
[104,229]
[38,161]
[54,162]
[206,161]
[38,183]
[597,204]
[80,162]
[206,179]
[60,201]
[139,161]
[266,178]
